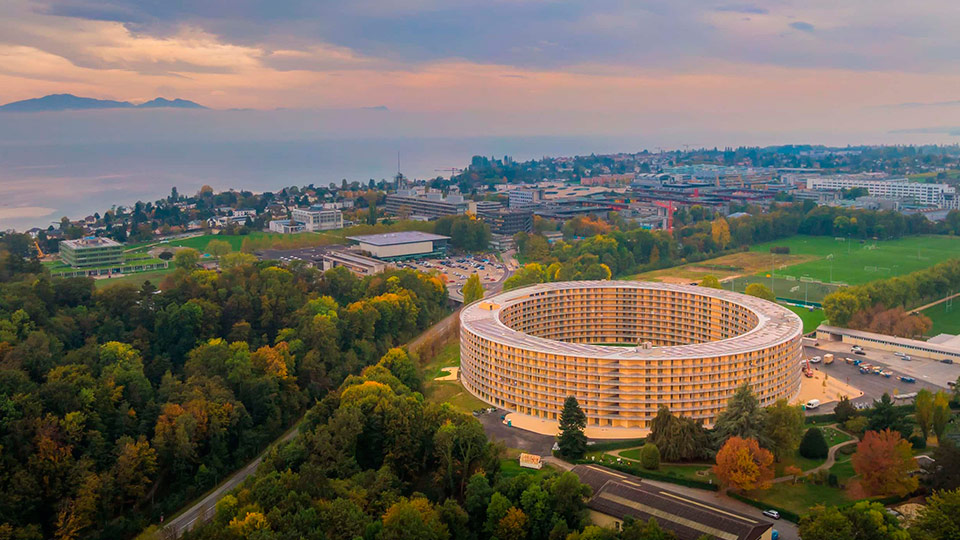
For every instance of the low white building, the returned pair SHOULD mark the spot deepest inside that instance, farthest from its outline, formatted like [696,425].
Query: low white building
[317,218]
[402,245]
[285,226]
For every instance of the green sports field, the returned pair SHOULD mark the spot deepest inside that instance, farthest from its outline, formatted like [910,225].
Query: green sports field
[854,262]
[946,319]
[846,262]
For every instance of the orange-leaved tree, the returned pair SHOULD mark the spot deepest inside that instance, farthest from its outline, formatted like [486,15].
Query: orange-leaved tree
[883,460]
[742,464]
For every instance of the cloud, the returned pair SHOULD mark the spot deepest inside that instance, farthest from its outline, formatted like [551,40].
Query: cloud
[802,26]
[743,8]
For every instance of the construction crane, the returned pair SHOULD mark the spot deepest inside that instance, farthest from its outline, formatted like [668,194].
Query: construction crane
[451,170]
[39,251]
[668,205]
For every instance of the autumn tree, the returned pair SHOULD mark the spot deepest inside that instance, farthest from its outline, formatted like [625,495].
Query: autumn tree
[742,464]
[186,259]
[939,517]
[923,411]
[865,519]
[941,415]
[413,519]
[218,248]
[571,440]
[710,281]
[760,291]
[720,232]
[472,289]
[883,460]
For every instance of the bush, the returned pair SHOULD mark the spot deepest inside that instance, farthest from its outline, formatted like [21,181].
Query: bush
[650,457]
[918,442]
[165,255]
[833,481]
[847,450]
[780,250]
[813,445]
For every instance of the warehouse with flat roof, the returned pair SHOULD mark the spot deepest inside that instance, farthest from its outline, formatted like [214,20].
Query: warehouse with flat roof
[617,496]
[402,245]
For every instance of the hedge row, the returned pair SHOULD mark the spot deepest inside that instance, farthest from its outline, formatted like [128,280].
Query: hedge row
[653,475]
[784,513]
[615,445]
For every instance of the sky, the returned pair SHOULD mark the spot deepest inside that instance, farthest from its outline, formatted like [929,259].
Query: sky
[791,66]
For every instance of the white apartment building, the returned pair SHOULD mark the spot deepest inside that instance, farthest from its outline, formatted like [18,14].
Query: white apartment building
[939,195]
[520,198]
[318,218]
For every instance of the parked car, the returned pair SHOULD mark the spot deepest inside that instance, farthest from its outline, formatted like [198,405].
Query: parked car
[813,403]
[951,384]
[860,352]
[907,358]
[946,361]
[815,360]
[907,379]
[772,514]
[851,360]
[899,354]
[856,348]
[886,374]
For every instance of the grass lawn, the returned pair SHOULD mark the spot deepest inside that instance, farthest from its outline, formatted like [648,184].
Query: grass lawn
[799,498]
[854,262]
[451,392]
[834,436]
[735,264]
[843,468]
[448,356]
[944,322]
[798,461]
[510,467]
[811,319]
[680,470]
[137,279]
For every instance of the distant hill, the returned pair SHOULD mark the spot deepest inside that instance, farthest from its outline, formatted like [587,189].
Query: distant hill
[70,102]
[170,103]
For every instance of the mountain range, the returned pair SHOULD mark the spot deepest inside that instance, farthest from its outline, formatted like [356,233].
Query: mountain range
[69,102]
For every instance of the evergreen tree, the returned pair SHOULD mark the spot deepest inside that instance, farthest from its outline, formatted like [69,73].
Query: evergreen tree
[572,441]
[742,418]
[813,445]
[844,410]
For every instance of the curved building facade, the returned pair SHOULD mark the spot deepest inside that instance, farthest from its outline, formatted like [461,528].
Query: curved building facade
[625,349]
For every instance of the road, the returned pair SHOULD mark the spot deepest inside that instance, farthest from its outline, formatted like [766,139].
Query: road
[204,509]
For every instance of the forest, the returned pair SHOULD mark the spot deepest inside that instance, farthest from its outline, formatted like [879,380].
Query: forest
[119,405]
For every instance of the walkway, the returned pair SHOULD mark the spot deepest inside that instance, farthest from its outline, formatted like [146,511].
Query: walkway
[931,304]
[830,461]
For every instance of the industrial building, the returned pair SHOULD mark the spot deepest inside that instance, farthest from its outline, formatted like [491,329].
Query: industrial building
[402,245]
[527,350]
[318,218]
[91,252]
[939,195]
[942,347]
[616,496]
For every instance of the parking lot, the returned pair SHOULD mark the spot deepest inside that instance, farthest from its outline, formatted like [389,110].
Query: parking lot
[928,374]
[456,270]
